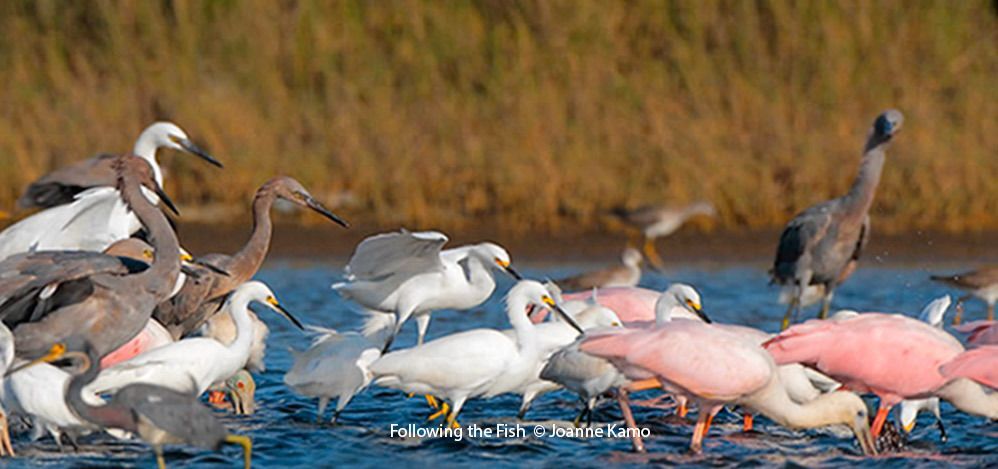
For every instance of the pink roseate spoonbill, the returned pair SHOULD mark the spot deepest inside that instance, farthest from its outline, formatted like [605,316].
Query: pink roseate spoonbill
[821,245]
[632,304]
[714,367]
[979,364]
[158,415]
[106,306]
[658,221]
[627,274]
[982,283]
[406,274]
[980,332]
[892,356]
[197,301]
[62,185]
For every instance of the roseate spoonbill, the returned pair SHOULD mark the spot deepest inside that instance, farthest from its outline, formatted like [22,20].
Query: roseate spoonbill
[194,364]
[469,364]
[62,185]
[980,332]
[635,304]
[336,365]
[890,355]
[822,244]
[199,300]
[714,367]
[407,274]
[158,415]
[979,364]
[628,274]
[658,221]
[106,305]
[982,283]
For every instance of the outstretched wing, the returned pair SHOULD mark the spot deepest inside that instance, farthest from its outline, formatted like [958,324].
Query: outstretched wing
[62,185]
[401,254]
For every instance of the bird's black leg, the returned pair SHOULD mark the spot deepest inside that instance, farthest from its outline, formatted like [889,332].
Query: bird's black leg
[589,416]
[791,314]
[942,430]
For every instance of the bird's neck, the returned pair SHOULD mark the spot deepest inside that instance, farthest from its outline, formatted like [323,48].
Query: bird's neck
[239,309]
[663,311]
[860,195]
[145,148]
[248,260]
[970,397]
[774,402]
[479,276]
[526,334]
[162,274]
[108,415]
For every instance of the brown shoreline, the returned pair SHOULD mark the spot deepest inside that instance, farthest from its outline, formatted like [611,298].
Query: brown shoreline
[322,243]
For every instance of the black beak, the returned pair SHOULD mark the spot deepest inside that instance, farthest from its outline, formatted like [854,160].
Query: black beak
[702,315]
[166,200]
[513,273]
[209,266]
[188,271]
[569,319]
[190,147]
[288,315]
[315,205]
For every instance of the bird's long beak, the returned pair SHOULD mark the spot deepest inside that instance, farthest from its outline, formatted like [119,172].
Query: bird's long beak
[56,352]
[190,147]
[318,207]
[508,268]
[698,310]
[272,302]
[211,267]
[865,438]
[166,200]
[549,302]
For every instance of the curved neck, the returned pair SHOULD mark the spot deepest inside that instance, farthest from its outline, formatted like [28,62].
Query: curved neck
[239,309]
[516,311]
[663,309]
[145,148]
[108,415]
[970,397]
[774,402]
[162,274]
[248,260]
[860,195]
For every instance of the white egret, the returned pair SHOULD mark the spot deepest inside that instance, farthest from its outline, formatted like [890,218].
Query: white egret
[933,314]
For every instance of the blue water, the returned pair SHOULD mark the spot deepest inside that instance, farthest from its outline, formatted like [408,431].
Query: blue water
[285,432]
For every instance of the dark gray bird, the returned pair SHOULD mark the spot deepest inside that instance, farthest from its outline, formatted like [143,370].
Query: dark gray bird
[821,245]
[158,415]
[46,297]
[61,186]
[982,283]
[200,299]
[657,221]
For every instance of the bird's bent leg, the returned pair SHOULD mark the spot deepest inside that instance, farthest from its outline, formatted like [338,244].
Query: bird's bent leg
[422,324]
[452,417]
[432,401]
[710,419]
[826,302]
[942,430]
[696,444]
[6,449]
[794,301]
[747,422]
[878,421]
[650,383]
[652,254]
[625,409]
[682,410]
[246,443]
[443,412]
[160,462]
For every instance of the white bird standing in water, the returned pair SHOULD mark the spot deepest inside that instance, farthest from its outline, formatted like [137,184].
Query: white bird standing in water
[933,314]
[194,364]
[473,363]
[87,213]
[406,273]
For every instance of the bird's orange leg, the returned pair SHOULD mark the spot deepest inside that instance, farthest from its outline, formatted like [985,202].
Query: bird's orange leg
[747,423]
[682,410]
[958,317]
[652,254]
[625,409]
[878,421]
[696,444]
[6,449]
[710,420]
[650,383]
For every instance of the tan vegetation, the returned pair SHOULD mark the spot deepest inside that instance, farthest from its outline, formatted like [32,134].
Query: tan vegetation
[539,114]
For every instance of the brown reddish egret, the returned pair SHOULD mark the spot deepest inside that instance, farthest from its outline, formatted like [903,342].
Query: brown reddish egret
[158,415]
[406,274]
[658,221]
[821,245]
[103,306]
[628,274]
[200,299]
[62,185]
[982,283]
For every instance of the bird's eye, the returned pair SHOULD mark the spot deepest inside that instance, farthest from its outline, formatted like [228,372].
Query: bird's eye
[240,385]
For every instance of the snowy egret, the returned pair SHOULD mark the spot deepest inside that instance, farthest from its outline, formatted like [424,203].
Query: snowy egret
[406,273]
[105,305]
[194,364]
[932,314]
[469,364]
[336,365]
[62,185]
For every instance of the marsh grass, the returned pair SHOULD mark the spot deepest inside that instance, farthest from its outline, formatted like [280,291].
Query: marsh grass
[538,115]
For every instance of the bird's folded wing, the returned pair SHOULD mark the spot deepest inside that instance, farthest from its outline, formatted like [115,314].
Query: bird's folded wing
[402,254]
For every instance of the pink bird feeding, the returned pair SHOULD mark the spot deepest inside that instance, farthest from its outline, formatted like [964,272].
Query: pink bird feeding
[892,356]
[980,365]
[714,366]
[632,304]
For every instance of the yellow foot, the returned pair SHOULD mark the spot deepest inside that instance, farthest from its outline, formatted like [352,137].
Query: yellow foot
[247,445]
[444,410]
[432,401]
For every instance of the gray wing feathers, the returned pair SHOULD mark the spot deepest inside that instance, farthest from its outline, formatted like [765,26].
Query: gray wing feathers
[396,254]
